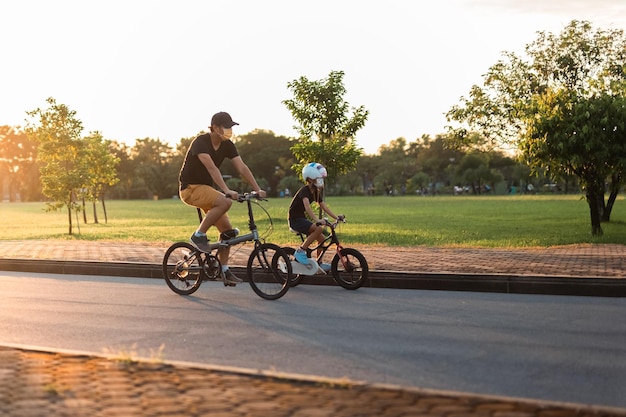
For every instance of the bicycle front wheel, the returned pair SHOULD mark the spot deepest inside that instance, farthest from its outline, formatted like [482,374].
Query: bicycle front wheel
[269,271]
[350,270]
[182,268]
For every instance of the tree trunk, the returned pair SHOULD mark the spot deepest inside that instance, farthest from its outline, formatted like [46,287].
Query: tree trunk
[84,212]
[12,191]
[104,210]
[95,211]
[77,222]
[594,210]
[606,215]
[616,183]
[601,205]
[69,217]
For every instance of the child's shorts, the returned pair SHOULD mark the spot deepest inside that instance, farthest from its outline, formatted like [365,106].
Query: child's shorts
[300,225]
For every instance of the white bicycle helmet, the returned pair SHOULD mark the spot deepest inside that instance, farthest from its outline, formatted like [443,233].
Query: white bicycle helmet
[313,170]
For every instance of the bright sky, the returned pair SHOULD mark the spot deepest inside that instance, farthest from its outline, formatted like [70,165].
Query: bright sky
[148,68]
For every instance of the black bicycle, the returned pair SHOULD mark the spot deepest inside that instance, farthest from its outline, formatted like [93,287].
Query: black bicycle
[348,266]
[268,268]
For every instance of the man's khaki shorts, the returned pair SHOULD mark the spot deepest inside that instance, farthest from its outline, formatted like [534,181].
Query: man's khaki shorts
[200,195]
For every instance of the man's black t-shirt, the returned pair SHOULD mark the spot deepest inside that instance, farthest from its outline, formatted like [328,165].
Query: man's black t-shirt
[296,208]
[193,171]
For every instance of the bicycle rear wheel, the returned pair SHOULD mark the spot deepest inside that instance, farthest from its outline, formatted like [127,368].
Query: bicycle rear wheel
[350,270]
[182,268]
[269,271]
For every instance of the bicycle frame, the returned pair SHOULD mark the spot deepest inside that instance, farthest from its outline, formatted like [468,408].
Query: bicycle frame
[328,241]
[248,237]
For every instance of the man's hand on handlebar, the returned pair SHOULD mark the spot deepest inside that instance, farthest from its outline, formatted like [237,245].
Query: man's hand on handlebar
[258,195]
[233,195]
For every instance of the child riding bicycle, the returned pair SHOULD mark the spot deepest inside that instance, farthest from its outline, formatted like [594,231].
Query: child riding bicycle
[302,219]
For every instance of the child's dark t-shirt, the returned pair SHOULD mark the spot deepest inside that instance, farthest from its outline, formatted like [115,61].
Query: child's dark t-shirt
[296,208]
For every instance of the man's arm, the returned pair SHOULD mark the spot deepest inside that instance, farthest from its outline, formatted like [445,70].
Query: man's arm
[216,175]
[246,174]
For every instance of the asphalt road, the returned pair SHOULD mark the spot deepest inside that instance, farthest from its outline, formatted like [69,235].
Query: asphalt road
[556,348]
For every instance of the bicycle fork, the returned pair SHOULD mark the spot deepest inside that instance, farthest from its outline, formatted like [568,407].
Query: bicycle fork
[347,266]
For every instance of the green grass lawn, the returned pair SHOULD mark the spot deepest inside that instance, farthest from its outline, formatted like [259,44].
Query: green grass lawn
[446,221]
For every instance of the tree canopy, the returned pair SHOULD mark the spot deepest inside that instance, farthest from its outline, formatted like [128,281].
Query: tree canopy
[561,107]
[18,155]
[327,125]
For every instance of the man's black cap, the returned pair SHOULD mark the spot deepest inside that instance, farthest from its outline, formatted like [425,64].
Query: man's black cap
[223,119]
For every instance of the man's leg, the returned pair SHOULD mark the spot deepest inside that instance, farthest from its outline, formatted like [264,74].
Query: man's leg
[223,225]
[214,205]
[221,206]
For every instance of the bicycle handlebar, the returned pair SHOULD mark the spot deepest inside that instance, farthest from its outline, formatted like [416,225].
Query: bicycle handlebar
[334,224]
[249,196]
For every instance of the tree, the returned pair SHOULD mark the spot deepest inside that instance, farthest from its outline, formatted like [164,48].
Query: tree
[291,183]
[18,154]
[397,164]
[581,136]
[326,129]
[474,170]
[437,160]
[417,184]
[367,167]
[268,156]
[125,169]
[101,163]
[155,168]
[543,106]
[61,153]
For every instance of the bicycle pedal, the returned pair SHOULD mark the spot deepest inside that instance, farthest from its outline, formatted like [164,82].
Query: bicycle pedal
[228,284]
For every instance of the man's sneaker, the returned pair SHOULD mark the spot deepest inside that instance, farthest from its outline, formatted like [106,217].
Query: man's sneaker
[301,256]
[325,267]
[200,242]
[230,278]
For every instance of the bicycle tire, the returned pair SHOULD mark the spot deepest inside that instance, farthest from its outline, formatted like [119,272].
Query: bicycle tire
[351,272]
[269,271]
[183,268]
[296,279]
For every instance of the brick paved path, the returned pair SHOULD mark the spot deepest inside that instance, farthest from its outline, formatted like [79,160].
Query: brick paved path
[51,384]
[593,261]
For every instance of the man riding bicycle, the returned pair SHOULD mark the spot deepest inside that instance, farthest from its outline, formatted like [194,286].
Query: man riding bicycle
[200,174]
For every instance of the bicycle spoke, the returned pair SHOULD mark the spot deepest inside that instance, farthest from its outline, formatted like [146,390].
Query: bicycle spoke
[350,270]
[269,270]
[182,268]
